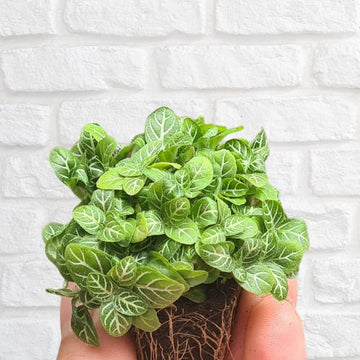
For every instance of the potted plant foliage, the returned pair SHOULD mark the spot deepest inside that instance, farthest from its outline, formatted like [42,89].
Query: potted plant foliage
[168,231]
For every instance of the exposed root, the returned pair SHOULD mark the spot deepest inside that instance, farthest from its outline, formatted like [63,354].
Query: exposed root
[192,331]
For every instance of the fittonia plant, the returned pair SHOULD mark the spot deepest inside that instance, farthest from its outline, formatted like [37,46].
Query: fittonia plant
[165,216]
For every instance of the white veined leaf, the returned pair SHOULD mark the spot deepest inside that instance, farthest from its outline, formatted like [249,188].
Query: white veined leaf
[193,277]
[129,303]
[113,322]
[281,287]
[248,210]
[147,322]
[176,209]
[95,130]
[167,247]
[52,229]
[240,274]
[224,163]
[213,235]
[110,180]
[100,286]
[122,207]
[240,147]
[259,279]
[162,191]
[269,245]
[124,272]
[274,215]
[260,140]
[184,232]
[133,185]
[268,192]
[161,124]
[256,179]
[241,225]
[182,177]
[155,174]
[250,250]
[223,211]
[200,172]
[147,154]
[118,232]
[87,300]
[217,255]
[204,212]
[105,149]
[233,188]
[82,260]
[95,168]
[288,255]
[62,292]
[158,290]
[234,201]
[83,326]
[154,222]
[103,199]
[63,162]
[294,230]
[128,168]
[90,218]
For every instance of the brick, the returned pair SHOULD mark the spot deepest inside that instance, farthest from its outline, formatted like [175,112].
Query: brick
[122,119]
[23,17]
[74,68]
[24,124]
[136,18]
[283,170]
[248,17]
[21,231]
[337,65]
[329,223]
[23,284]
[229,66]
[337,281]
[290,119]
[335,172]
[39,338]
[30,176]
[332,335]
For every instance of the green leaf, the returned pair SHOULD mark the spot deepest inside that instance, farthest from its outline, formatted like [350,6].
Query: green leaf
[257,179]
[250,252]
[83,326]
[213,235]
[240,225]
[62,292]
[127,168]
[233,188]
[100,286]
[217,255]
[288,255]
[52,229]
[167,247]
[274,215]
[184,232]
[200,172]
[191,128]
[158,290]
[87,300]
[124,272]
[133,185]
[123,207]
[82,260]
[105,149]
[113,322]
[294,230]
[165,165]
[95,130]
[110,180]
[154,223]
[204,212]
[193,277]
[223,211]
[90,218]
[260,140]
[268,192]
[162,191]
[224,163]
[118,232]
[147,322]
[103,199]
[129,303]
[141,229]
[196,295]
[147,154]
[281,287]
[63,162]
[259,279]
[161,124]
[176,209]
[239,274]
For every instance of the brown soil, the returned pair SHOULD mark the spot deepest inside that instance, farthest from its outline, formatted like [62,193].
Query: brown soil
[192,331]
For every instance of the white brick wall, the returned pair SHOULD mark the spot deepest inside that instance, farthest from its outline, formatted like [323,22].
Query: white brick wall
[290,66]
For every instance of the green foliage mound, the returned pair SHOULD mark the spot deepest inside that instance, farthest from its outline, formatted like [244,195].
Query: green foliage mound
[165,216]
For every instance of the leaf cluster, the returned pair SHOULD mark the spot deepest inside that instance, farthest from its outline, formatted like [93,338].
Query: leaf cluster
[165,216]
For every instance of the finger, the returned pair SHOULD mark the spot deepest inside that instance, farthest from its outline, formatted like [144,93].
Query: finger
[246,304]
[111,348]
[274,332]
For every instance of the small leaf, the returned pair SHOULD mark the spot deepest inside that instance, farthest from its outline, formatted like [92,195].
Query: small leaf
[147,322]
[154,223]
[294,230]
[110,180]
[176,209]
[200,172]
[122,207]
[184,232]
[124,272]
[63,162]
[141,229]
[281,287]
[223,211]
[105,149]
[193,277]
[118,232]
[95,130]
[256,179]
[100,286]
[259,279]
[213,235]
[240,274]
[204,212]
[83,326]
[224,163]
[90,218]
[128,168]
[233,188]
[133,185]
[249,253]
[62,292]
[158,290]
[129,303]
[196,295]
[217,255]
[113,322]
[161,124]
[288,255]
[240,225]
[167,247]
[52,229]
[103,199]
[274,215]
[268,192]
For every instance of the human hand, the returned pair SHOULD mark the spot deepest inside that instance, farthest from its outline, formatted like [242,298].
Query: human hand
[265,329]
